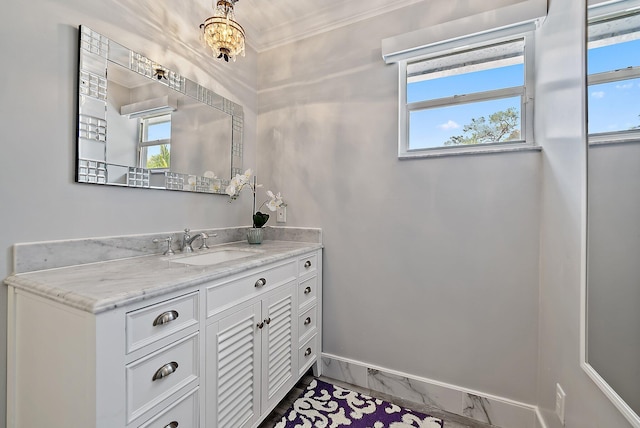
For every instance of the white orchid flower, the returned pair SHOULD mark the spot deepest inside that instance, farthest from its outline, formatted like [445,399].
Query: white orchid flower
[244,178]
[272,205]
[279,200]
[274,200]
[231,190]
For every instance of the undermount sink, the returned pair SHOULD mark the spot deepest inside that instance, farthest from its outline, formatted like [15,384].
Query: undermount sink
[213,258]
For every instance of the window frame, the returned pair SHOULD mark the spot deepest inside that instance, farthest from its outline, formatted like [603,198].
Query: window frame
[522,31]
[144,143]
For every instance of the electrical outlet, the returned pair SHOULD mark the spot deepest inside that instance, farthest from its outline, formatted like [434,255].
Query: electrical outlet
[281,214]
[560,401]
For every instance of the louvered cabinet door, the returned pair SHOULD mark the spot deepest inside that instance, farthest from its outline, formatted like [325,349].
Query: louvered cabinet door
[233,369]
[278,338]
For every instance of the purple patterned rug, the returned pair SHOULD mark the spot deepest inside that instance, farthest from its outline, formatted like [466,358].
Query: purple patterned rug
[323,405]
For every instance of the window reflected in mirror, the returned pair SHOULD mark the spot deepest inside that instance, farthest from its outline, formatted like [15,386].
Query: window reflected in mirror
[613,68]
[155,142]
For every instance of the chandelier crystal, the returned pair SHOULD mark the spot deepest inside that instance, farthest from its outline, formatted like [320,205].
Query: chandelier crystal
[222,33]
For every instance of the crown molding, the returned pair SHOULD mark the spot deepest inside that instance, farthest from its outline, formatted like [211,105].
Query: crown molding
[320,21]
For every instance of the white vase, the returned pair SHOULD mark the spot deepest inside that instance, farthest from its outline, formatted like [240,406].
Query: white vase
[255,235]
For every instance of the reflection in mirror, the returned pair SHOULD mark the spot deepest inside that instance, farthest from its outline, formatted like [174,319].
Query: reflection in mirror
[613,209]
[143,125]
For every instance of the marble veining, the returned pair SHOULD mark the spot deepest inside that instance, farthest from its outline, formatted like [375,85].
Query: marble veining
[416,391]
[29,257]
[99,286]
[431,394]
[478,408]
[345,372]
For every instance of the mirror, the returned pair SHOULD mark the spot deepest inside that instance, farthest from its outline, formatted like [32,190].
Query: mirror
[612,294]
[143,125]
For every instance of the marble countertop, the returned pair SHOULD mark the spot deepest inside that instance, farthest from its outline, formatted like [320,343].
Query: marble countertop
[101,286]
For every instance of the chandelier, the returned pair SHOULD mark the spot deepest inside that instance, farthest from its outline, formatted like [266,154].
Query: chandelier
[222,33]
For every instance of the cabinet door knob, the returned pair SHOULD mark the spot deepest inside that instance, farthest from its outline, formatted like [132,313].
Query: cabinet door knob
[260,325]
[267,321]
[307,352]
[307,321]
[165,317]
[307,264]
[173,424]
[261,283]
[165,370]
[307,290]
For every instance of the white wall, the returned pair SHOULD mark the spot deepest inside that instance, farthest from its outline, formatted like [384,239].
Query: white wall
[38,196]
[430,265]
[560,130]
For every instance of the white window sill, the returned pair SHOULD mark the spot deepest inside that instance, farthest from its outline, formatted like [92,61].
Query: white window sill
[477,150]
[620,137]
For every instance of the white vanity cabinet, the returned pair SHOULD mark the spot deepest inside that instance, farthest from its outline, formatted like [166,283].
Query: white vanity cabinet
[252,345]
[127,367]
[221,354]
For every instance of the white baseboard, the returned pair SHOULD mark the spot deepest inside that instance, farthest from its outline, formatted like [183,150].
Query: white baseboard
[488,408]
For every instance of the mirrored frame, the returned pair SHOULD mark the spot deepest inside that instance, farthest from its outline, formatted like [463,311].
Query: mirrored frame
[96,54]
[593,142]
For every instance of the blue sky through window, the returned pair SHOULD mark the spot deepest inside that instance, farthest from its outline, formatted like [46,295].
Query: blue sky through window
[159,131]
[430,128]
[614,106]
[485,80]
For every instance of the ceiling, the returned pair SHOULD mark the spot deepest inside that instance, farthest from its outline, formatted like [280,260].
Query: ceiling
[276,22]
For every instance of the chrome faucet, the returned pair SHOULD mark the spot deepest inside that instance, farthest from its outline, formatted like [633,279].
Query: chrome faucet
[187,240]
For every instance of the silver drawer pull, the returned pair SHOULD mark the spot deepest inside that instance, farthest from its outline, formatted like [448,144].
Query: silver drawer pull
[307,352]
[165,318]
[307,264]
[165,370]
[261,283]
[307,290]
[307,321]
[173,424]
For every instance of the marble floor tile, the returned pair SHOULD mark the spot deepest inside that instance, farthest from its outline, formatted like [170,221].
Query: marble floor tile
[450,420]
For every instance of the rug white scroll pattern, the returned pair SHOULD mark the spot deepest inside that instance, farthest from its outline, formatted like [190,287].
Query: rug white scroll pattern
[324,405]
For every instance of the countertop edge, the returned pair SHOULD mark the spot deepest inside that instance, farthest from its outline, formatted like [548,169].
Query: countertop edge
[86,303]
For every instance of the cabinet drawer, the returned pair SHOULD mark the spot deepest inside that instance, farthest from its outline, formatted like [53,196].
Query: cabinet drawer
[308,264]
[157,376]
[147,325]
[307,291]
[183,413]
[307,323]
[307,354]
[221,295]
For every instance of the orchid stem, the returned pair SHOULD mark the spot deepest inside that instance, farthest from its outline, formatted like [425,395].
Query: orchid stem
[255,184]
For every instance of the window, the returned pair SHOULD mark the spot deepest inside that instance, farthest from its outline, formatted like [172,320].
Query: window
[613,68]
[154,150]
[467,98]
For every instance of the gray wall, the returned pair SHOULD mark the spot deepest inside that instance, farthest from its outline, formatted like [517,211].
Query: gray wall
[40,201]
[559,128]
[614,249]
[430,265]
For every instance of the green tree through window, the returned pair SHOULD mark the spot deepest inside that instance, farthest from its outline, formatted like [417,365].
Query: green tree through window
[501,126]
[161,160]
